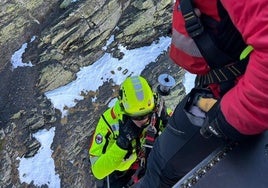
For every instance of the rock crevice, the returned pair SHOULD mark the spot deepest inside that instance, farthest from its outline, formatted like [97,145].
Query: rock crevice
[62,37]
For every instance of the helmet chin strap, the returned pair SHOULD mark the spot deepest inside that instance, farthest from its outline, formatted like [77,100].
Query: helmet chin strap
[147,123]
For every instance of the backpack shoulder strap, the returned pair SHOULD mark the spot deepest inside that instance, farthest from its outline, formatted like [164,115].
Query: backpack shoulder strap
[205,44]
[107,123]
[107,135]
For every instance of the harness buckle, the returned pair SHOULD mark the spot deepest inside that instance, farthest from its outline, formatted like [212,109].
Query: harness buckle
[193,24]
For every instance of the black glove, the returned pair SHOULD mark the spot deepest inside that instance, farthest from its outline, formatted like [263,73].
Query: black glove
[216,124]
[127,132]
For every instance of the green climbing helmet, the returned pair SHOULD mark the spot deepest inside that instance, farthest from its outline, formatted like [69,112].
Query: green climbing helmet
[136,96]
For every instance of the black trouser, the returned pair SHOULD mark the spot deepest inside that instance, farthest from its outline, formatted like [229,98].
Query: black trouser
[116,180]
[176,151]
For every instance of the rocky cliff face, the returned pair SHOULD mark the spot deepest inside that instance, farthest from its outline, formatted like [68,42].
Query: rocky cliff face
[67,36]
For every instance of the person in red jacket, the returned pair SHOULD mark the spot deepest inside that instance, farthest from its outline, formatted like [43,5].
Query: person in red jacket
[225,43]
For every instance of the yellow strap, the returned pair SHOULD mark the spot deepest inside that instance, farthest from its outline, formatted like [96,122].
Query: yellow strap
[246,52]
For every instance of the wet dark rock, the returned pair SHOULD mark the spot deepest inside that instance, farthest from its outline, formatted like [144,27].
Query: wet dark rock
[62,37]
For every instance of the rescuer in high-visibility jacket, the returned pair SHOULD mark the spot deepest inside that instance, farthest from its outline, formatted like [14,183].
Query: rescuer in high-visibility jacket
[118,146]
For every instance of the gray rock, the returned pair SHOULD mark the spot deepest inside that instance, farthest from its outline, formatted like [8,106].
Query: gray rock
[68,35]
[32,149]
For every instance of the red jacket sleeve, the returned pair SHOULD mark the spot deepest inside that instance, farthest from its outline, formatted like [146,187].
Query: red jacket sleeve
[246,105]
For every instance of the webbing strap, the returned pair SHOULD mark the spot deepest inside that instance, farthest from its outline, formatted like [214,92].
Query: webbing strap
[216,58]
[107,135]
[108,124]
[205,44]
[106,142]
[227,73]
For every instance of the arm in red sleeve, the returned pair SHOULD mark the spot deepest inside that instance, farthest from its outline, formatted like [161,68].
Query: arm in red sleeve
[245,106]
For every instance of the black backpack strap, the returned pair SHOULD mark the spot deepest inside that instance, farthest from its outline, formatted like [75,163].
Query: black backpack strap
[107,135]
[205,44]
[108,124]
[224,68]
[130,149]
[106,142]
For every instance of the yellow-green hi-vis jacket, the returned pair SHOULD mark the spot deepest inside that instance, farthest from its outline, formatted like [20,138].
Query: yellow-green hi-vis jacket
[105,155]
